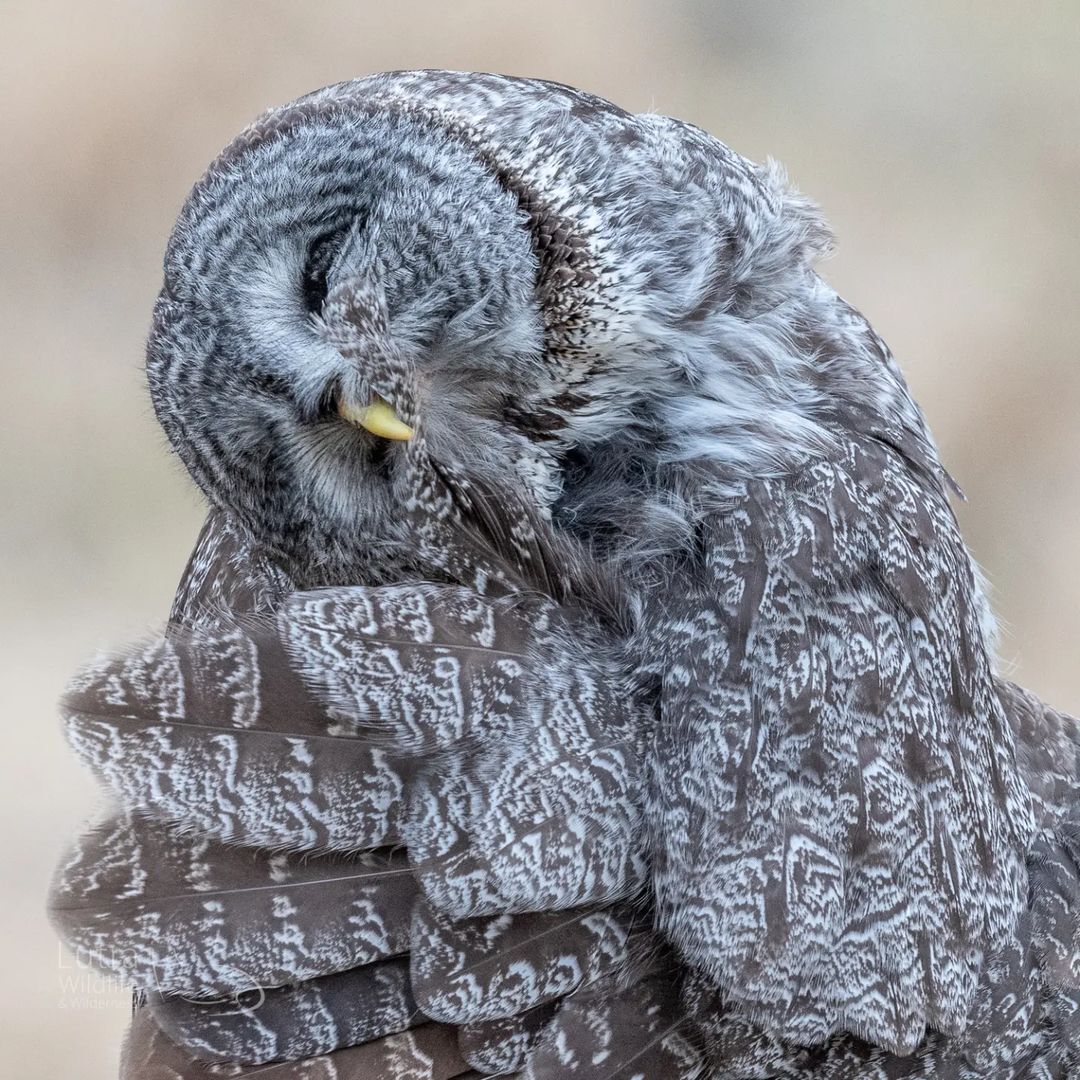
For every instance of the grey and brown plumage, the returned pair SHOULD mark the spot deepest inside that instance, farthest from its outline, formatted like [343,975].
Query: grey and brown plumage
[630,711]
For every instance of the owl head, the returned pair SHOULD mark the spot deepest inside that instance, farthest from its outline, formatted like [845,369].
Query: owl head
[505,278]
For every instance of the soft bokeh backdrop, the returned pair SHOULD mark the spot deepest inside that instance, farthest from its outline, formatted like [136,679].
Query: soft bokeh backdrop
[942,139]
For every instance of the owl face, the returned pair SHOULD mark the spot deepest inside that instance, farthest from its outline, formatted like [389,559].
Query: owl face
[529,286]
[363,262]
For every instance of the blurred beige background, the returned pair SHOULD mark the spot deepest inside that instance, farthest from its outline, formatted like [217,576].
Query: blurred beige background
[944,147]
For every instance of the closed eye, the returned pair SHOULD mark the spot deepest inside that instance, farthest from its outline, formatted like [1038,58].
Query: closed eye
[321,255]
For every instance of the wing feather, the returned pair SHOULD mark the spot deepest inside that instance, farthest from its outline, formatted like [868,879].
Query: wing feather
[839,821]
[176,913]
[427,1052]
[636,1033]
[527,798]
[289,1023]
[498,967]
[211,727]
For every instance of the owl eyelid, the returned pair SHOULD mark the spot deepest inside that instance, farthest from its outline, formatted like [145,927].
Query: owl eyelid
[320,257]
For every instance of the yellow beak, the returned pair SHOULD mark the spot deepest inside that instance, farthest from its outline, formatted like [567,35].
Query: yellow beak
[379,418]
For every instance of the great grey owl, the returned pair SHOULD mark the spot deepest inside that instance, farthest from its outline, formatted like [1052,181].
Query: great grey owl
[581,673]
